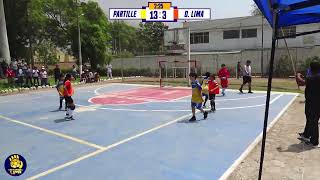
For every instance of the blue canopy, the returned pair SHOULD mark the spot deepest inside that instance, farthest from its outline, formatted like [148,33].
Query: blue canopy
[291,12]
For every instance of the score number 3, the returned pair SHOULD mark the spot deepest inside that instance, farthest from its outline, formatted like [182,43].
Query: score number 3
[154,15]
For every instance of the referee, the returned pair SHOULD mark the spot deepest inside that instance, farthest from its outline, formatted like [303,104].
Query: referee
[247,78]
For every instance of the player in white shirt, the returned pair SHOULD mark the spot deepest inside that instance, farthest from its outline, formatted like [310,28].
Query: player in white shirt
[247,78]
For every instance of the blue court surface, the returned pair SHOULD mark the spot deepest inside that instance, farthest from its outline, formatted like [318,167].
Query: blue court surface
[130,132]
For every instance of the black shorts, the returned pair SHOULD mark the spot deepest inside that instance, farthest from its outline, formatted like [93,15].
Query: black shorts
[68,99]
[212,96]
[246,79]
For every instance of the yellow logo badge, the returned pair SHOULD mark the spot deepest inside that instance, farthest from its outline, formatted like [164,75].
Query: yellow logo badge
[15,165]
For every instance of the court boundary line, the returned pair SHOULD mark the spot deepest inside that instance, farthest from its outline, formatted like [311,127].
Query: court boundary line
[62,166]
[107,148]
[51,132]
[175,110]
[181,87]
[257,140]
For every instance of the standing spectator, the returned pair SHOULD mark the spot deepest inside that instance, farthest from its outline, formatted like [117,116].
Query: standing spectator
[4,68]
[14,65]
[1,72]
[109,71]
[247,78]
[312,104]
[74,72]
[20,76]
[224,74]
[35,75]
[239,70]
[10,75]
[29,77]
[57,73]
[44,76]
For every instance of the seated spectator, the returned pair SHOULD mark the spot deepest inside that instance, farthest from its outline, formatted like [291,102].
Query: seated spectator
[96,77]
[83,77]
[91,77]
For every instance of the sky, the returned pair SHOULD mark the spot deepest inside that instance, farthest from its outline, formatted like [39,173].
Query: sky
[219,8]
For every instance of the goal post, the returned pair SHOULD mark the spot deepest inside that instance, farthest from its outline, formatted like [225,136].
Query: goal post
[176,72]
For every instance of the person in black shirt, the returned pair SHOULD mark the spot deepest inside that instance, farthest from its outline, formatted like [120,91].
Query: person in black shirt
[312,107]
[57,73]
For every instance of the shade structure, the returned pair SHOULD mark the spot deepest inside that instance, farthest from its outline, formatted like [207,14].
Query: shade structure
[290,12]
[283,13]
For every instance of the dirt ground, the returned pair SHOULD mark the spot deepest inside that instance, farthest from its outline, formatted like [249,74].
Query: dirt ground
[286,158]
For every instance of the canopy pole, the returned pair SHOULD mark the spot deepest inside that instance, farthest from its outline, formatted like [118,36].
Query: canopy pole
[274,40]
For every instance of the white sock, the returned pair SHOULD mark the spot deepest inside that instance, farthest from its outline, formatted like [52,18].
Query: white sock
[68,112]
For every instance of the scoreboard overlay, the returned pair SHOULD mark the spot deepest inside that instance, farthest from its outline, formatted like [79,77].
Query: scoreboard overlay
[159,12]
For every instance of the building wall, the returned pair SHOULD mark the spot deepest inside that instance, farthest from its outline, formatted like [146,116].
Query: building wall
[217,43]
[212,63]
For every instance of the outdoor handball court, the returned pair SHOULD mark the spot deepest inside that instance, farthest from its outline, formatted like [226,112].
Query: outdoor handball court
[125,131]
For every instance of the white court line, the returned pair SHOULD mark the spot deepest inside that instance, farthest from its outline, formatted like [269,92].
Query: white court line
[52,132]
[236,99]
[236,163]
[113,146]
[106,148]
[175,110]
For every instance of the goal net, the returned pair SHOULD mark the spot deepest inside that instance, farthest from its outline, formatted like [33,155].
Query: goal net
[176,72]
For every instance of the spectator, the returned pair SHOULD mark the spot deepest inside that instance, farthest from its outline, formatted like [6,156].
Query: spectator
[239,70]
[96,77]
[74,72]
[91,76]
[4,68]
[44,76]
[57,73]
[10,75]
[14,66]
[312,111]
[29,77]
[20,76]
[35,75]
[109,71]
[1,72]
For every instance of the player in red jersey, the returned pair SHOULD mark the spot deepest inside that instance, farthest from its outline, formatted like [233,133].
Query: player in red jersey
[224,74]
[68,92]
[213,90]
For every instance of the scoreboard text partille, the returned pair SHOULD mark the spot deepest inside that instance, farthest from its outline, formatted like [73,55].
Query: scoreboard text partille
[160,12]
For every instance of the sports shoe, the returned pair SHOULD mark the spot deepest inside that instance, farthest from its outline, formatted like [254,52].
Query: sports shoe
[302,137]
[213,109]
[240,90]
[308,143]
[250,92]
[205,115]
[192,119]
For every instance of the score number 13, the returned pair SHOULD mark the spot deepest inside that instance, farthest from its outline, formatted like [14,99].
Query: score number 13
[155,15]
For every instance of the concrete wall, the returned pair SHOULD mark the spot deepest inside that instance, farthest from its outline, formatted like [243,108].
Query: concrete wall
[212,63]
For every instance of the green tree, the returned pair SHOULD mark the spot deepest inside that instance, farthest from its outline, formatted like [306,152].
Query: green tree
[46,53]
[95,36]
[151,36]
[37,22]
[255,10]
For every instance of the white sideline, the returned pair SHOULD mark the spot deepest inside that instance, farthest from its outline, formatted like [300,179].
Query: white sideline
[236,163]
[52,132]
[106,148]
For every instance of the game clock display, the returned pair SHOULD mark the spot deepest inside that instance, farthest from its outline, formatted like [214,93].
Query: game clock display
[160,12]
